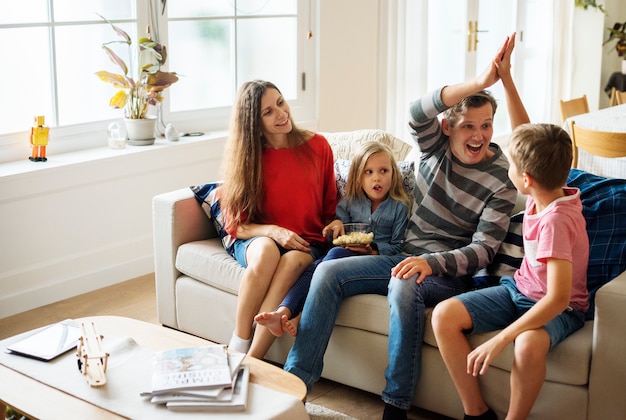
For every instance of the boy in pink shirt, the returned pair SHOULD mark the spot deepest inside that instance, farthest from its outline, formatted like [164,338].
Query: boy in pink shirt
[547,298]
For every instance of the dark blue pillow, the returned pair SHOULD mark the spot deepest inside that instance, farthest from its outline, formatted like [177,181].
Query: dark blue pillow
[208,196]
[604,209]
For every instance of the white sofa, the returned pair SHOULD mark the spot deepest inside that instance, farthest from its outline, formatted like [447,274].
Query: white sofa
[197,284]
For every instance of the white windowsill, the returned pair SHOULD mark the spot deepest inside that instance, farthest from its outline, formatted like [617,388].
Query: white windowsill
[25,166]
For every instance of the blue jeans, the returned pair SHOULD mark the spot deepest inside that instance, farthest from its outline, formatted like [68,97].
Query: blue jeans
[407,302]
[337,279]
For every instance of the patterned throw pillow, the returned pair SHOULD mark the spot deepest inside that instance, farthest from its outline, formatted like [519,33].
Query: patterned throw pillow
[407,172]
[208,195]
[604,209]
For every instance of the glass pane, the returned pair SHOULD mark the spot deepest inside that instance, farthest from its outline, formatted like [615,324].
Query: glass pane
[496,20]
[266,7]
[82,95]
[25,79]
[271,57]
[81,10]
[447,44]
[200,52]
[23,11]
[199,8]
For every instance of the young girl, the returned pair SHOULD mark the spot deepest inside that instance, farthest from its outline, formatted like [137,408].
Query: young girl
[374,195]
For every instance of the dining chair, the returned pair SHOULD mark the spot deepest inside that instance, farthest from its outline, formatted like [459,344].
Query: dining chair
[617,97]
[600,143]
[573,107]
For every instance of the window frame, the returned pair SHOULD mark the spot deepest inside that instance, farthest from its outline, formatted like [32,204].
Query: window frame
[64,139]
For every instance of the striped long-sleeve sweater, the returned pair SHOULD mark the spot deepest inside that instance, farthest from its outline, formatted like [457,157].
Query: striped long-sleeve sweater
[461,212]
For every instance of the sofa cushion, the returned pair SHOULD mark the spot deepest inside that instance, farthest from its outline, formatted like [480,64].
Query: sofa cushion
[345,144]
[604,209]
[407,173]
[208,195]
[207,261]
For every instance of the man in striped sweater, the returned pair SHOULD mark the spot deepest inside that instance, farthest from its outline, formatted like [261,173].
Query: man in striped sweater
[460,217]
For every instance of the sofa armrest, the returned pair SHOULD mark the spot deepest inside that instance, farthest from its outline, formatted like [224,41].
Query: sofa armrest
[177,218]
[607,394]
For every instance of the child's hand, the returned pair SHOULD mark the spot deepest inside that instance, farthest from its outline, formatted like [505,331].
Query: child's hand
[334,229]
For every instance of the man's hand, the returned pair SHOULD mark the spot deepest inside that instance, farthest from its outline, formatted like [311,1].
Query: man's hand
[410,266]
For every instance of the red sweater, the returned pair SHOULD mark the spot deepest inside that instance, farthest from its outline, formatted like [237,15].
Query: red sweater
[300,188]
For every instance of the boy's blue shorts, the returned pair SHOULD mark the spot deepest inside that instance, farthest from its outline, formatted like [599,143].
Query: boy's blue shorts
[494,308]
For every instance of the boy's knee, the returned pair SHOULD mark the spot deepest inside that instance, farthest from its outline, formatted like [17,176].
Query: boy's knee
[532,346]
[443,315]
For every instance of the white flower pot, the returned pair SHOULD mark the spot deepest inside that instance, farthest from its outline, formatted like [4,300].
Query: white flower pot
[623,66]
[140,132]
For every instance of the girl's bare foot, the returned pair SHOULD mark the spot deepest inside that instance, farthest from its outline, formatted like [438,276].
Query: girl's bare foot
[288,326]
[272,321]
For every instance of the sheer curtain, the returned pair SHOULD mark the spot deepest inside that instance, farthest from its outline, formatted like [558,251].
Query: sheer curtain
[406,30]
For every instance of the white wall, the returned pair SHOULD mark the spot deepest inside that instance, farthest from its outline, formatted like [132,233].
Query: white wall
[80,222]
[349,64]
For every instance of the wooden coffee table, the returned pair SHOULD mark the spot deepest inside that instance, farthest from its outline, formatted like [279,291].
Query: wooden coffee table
[37,400]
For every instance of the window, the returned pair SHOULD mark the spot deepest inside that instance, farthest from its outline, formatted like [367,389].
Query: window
[53,49]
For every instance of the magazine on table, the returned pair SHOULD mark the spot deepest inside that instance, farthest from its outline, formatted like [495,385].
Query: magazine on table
[238,400]
[191,368]
[201,394]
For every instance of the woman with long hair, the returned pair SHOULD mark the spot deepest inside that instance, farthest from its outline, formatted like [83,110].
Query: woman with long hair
[279,192]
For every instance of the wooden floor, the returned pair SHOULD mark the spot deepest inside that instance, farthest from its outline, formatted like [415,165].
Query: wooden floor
[136,299]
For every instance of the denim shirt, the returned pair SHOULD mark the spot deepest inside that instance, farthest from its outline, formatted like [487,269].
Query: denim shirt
[388,222]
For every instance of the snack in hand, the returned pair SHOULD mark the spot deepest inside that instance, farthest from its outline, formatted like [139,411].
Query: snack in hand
[354,239]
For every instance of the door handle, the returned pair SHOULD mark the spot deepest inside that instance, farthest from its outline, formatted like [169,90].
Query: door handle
[472,35]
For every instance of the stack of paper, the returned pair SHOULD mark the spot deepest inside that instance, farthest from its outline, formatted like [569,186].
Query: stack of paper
[200,378]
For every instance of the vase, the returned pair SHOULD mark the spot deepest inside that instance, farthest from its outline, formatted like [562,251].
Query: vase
[140,132]
[623,66]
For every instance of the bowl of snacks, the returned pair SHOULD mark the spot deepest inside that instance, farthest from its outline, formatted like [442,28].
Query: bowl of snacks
[356,234]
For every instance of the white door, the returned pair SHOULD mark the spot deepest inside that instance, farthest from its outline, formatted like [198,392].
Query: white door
[463,36]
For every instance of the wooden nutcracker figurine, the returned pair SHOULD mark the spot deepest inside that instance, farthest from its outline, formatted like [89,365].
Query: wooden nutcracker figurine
[39,139]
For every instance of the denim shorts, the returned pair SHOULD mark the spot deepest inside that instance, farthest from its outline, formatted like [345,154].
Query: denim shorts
[240,247]
[494,308]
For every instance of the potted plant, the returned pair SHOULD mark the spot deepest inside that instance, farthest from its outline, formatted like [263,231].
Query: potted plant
[585,4]
[618,33]
[139,84]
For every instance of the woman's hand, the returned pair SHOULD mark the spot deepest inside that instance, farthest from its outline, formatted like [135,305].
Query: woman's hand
[288,239]
[282,236]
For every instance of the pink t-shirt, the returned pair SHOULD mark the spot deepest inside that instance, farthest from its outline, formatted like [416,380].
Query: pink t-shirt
[559,232]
